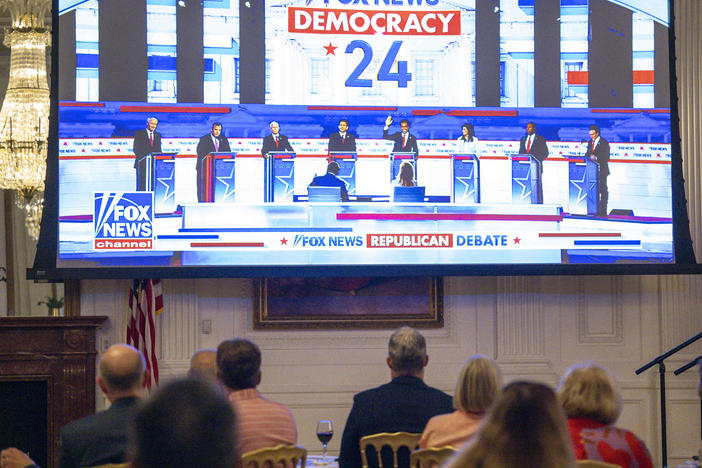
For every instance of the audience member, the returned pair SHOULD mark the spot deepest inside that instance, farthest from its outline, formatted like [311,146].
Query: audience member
[404,404]
[186,423]
[102,438]
[405,176]
[261,422]
[15,458]
[524,428]
[203,364]
[478,385]
[592,403]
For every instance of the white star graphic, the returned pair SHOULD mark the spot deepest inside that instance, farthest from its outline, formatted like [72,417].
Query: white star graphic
[167,181]
[288,188]
[229,189]
[526,187]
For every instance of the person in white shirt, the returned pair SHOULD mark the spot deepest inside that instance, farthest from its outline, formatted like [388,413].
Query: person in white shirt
[467,142]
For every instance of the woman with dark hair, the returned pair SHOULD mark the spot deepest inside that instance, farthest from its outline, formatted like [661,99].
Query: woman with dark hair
[592,403]
[405,176]
[467,142]
[525,428]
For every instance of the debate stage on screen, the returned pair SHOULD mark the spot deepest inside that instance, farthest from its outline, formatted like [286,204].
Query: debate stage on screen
[471,211]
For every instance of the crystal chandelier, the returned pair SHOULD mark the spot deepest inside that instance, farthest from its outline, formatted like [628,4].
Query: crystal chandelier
[24,117]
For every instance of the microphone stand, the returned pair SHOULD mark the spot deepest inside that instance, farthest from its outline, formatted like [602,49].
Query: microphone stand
[682,369]
[661,372]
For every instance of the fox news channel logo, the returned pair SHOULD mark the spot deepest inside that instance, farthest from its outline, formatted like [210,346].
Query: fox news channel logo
[123,220]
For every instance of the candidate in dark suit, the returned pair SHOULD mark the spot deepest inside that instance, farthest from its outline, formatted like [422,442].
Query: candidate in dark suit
[102,437]
[405,142]
[331,179]
[342,140]
[276,141]
[146,141]
[598,151]
[213,142]
[535,144]
[405,404]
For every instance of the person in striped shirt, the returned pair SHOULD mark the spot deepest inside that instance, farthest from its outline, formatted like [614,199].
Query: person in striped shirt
[261,422]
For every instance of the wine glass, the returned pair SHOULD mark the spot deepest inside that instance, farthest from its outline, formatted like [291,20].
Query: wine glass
[325,431]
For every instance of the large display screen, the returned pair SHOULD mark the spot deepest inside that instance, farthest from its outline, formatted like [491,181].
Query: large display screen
[381,134]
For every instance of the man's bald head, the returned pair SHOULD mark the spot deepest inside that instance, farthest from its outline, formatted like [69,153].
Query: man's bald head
[121,370]
[204,364]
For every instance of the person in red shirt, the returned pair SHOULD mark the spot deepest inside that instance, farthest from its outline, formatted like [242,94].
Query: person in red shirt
[593,403]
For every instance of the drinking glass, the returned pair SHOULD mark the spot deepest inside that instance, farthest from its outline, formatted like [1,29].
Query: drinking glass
[325,431]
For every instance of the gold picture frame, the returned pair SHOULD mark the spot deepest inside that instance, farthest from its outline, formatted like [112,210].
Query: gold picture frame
[327,303]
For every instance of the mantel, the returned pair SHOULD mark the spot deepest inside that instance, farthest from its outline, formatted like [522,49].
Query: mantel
[59,351]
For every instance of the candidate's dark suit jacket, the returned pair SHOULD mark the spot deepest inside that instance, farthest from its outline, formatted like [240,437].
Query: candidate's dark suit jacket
[538,149]
[331,180]
[269,144]
[404,404]
[411,146]
[97,439]
[204,147]
[335,143]
[142,147]
[601,155]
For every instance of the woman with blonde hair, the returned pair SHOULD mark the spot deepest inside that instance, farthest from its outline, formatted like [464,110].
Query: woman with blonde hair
[524,428]
[477,387]
[592,403]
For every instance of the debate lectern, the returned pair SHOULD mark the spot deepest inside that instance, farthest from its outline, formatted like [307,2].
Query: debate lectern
[217,181]
[526,179]
[466,178]
[279,182]
[396,160]
[156,173]
[583,185]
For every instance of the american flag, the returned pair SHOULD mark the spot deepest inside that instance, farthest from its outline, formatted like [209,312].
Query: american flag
[145,304]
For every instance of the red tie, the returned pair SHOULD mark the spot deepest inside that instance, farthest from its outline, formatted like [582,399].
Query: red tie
[276,142]
[342,138]
[528,144]
[592,146]
[404,140]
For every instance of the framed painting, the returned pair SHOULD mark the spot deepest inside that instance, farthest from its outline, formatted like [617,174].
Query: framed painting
[318,303]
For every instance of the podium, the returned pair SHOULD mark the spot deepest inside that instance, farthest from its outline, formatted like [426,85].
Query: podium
[526,179]
[156,173]
[466,178]
[583,185]
[279,182]
[347,168]
[217,181]
[396,159]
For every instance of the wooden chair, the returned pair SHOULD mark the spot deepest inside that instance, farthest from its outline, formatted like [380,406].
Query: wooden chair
[393,440]
[280,455]
[594,464]
[429,457]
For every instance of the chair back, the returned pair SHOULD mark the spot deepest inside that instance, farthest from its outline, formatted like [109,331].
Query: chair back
[594,464]
[429,457]
[394,440]
[408,194]
[287,455]
[323,194]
